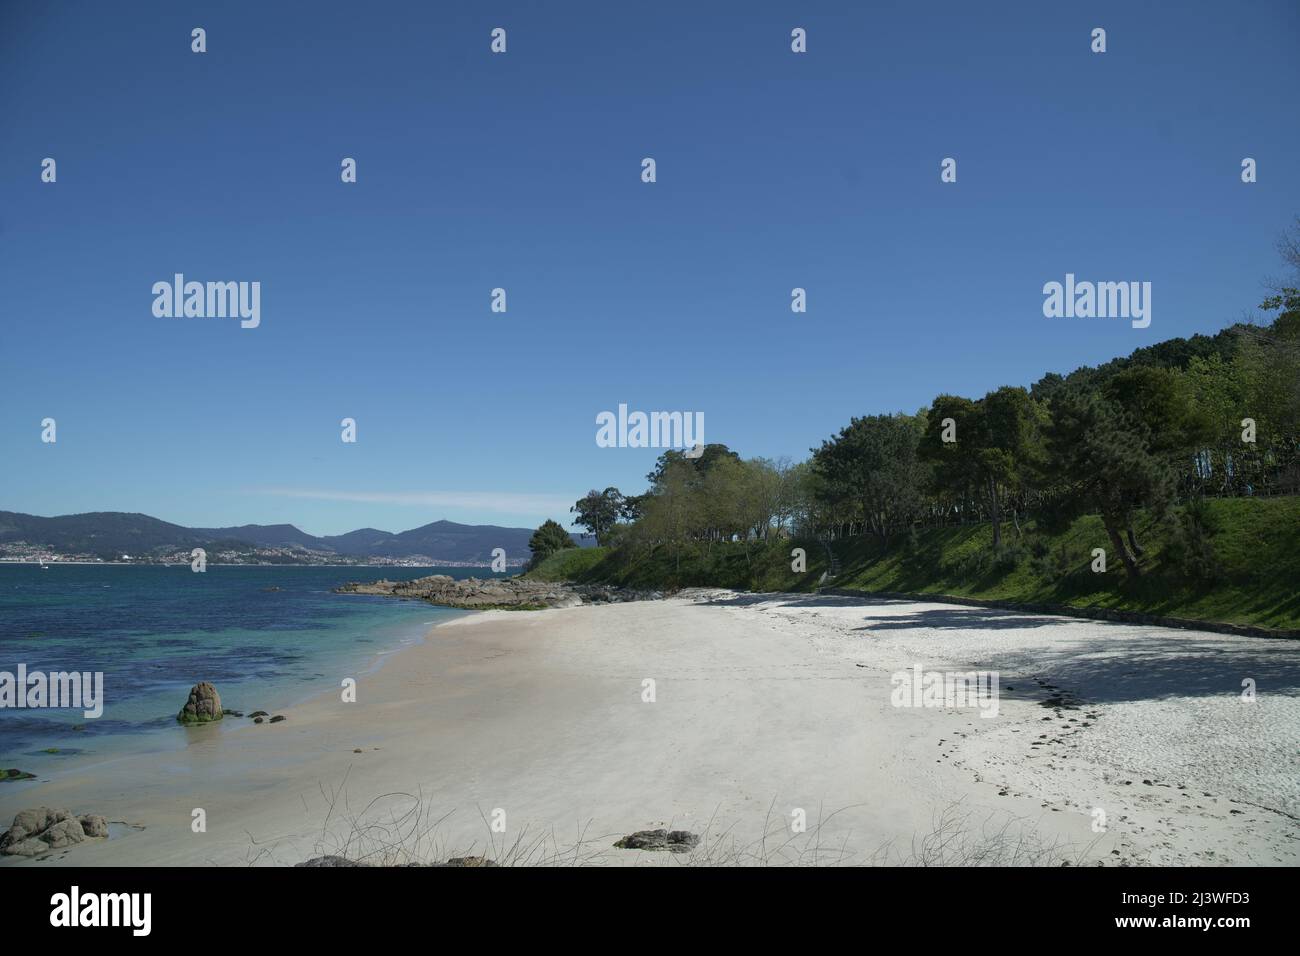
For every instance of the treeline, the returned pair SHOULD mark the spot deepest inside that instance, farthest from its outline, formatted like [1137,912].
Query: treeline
[1152,434]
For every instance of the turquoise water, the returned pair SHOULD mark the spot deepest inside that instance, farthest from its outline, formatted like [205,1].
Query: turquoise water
[155,631]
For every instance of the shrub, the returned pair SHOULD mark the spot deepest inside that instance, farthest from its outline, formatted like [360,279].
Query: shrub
[1190,548]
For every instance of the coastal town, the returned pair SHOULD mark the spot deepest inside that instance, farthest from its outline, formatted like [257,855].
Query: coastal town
[21,552]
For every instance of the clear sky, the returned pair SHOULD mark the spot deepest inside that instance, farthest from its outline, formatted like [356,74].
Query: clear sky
[523,171]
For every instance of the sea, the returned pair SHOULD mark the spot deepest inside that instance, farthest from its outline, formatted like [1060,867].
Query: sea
[265,636]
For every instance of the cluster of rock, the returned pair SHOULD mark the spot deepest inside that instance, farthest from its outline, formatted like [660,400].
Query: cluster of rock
[605,594]
[38,831]
[508,593]
[672,841]
[204,706]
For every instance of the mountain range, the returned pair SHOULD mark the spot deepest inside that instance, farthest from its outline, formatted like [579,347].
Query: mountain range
[110,534]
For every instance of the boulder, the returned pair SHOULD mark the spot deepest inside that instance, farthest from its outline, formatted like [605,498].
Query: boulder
[64,834]
[675,841]
[28,823]
[329,861]
[467,861]
[25,848]
[203,706]
[42,829]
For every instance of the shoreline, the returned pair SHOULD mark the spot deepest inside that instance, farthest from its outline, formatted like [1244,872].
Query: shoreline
[251,564]
[764,704]
[166,738]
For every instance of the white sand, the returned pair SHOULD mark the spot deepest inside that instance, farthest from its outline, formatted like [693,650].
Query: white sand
[764,704]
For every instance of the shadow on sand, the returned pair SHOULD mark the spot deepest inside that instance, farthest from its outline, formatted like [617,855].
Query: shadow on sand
[1099,661]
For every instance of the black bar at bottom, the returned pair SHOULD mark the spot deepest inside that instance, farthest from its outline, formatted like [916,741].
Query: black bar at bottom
[224,905]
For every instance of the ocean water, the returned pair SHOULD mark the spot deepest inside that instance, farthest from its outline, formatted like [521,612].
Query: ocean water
[156,631]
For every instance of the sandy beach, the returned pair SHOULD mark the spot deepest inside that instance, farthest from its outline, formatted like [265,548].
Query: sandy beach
[1115,744]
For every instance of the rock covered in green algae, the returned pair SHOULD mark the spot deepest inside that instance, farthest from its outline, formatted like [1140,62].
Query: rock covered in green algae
[203,706]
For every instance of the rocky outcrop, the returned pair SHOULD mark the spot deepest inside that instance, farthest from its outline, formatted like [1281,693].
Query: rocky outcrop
[605,594]
[675,841]
[507,593]
[467,861]
[203,706]
[329,861]
[40,830]
[13,773]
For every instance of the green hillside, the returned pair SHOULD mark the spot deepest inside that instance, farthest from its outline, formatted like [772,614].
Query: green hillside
[1234,561]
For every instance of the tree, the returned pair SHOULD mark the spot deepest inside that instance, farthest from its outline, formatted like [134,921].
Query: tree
[995,448]
[633,506]
[1218,393]
[1104,464]
[1009,449]
[548,539]
[710,455]
[597,511]
[956,473]
[671,512]
[1158,412]
[775,489]
[874,462]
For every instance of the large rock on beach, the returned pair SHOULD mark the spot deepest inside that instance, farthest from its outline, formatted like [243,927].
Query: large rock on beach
[42,829]
[329,861]
[203,706]
[674,841]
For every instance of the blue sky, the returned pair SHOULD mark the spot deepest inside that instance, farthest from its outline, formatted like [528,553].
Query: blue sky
[522,171]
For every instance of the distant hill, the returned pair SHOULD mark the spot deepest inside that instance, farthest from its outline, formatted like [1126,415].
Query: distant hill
[98,532]
[265,535]
[110,534]
[357,542]
[441,538]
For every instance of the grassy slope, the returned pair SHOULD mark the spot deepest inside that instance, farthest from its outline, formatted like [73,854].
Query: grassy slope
[571,564]
[1256,543]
